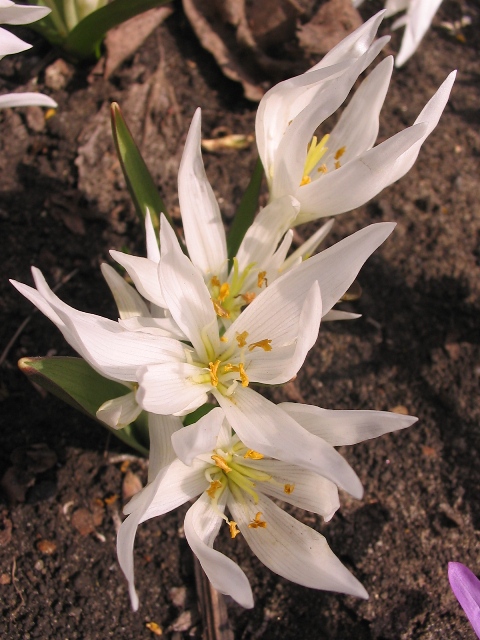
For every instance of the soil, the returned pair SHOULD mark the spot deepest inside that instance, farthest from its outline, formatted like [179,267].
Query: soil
[64,205]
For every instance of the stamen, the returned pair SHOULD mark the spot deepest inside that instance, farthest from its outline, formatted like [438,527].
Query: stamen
[339,153]
[314,154]
[242,338]
[212,490]
[256,522]
[234,531]
[223,339]
[215,282]
[220,462]
[337,164]
[288,489]
[261,344]
[224,291]
[261,279]
[253,455]
[243,375]
[322,168]
[305,180]
[219,310]
[213,366]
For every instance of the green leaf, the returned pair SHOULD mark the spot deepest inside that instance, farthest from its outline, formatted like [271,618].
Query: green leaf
[83,40]
[140,183]
[245,212]
[75,382]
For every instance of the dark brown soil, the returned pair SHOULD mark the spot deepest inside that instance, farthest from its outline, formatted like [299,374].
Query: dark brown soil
[64,205]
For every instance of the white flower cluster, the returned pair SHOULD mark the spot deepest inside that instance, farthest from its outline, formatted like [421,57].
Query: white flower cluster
[13,14]
[201,327]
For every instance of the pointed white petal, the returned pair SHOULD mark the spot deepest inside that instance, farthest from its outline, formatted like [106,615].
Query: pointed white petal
[160,430]
[202,221]
[334,314]
[39,301]
[429,116]
[144,273]
[153,250]
[202,523]
[335,269]
[288,366]
[28,99]
[170,387]
[305,489]
[418,19]
[358,181]
[291,549]
[346,427]
[154,326]
[10,44]
[186,295]
[119,412]
[357,129]
[128,302]
[199,437]
[264,427]
[12,13]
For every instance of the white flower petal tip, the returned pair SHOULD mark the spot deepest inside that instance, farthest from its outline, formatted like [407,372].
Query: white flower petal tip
[27,99]
[119,412]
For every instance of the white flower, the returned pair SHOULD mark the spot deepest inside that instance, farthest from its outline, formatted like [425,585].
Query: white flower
[261,257]
[267,343]
[14,14]
[217,466]
[342,170]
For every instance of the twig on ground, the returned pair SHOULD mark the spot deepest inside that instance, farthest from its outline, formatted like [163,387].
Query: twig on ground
[212,608]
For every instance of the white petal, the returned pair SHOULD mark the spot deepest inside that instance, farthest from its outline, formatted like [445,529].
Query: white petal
[429,116]
[335,314]
[10,44]
[264,427]
[202,523]
[144,273]
[119,412]
[291,549]
[346,427]
[186,295]
[170,387]
[335,269]
[128,302]
[357,129]
[202,221]
[199,437]
[160,430]
[153,250]
[39,301]
[358,181]
[154,326]
[12,13]
[310,491]
[287,367]
[28,99]
[419,17]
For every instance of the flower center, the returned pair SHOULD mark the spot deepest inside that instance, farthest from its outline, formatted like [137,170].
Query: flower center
[229,298]
[315,153]
[229,471]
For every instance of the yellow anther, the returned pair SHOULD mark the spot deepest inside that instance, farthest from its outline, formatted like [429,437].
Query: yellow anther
[215,282]
[262,279]
[266,345]
[257,523]
[219,310]
[221,463]
[213,366]
[212,490]
[224,291]
[339,153]
[243,375]
[314,154]
[253,455]
[305,180]
[322,168]
[49,113]
[223,339]
[234,531]
[242,338]
[248,297]
[288,489]
[337,164]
